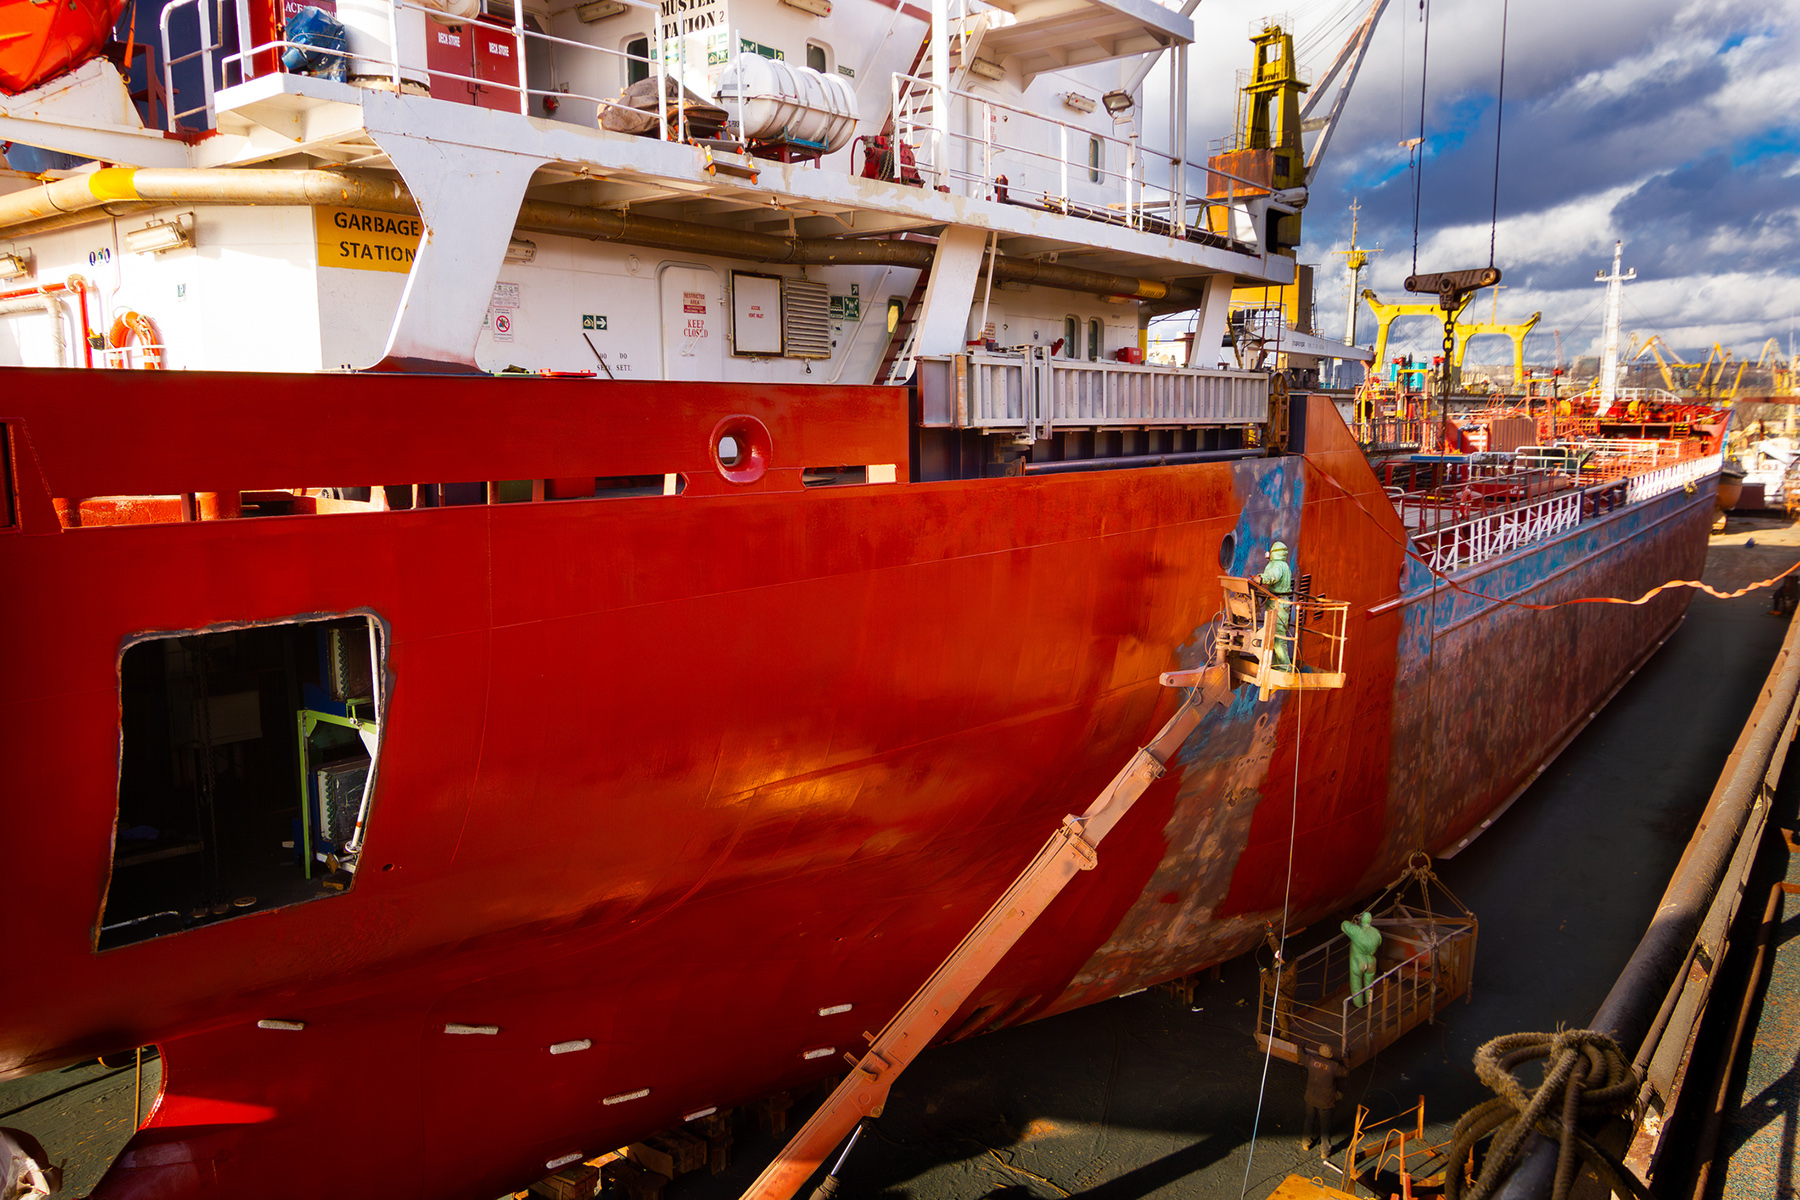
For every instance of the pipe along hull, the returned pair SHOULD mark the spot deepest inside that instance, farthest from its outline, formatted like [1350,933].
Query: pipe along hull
[707,781]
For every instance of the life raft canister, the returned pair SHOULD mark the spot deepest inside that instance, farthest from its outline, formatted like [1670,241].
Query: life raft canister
[129,325]
[41,41]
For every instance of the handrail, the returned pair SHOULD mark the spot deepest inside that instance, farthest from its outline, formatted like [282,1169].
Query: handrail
[907,93]
[1177,206]
[204,53]
[248,54]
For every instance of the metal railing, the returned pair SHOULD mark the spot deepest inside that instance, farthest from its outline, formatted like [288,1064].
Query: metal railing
[1669,478]
[1134,187]
[1386,433]
[1315,1005]
[1476,539]
[1136,200]
[243,61]
[205,54]
[1035,394]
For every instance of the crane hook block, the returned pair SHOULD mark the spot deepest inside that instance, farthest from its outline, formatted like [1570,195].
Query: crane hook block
[1453,287]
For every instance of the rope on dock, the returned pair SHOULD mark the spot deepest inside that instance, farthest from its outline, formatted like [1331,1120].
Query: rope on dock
[1587,1076]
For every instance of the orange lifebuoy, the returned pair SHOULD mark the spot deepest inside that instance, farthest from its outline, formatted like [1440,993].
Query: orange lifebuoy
[128,325]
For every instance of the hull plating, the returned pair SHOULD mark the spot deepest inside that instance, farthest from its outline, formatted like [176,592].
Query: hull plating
[674,774]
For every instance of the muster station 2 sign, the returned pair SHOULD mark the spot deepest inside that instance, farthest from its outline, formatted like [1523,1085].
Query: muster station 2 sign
[366,241]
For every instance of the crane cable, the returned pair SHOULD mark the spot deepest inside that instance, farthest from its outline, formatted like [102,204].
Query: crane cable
[1499,118]
[1417,155]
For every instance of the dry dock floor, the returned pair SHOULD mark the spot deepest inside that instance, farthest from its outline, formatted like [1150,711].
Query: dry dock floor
[1145,1097]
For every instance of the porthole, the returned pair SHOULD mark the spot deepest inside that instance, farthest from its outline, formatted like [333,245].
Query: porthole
[1227,552]
[741,447]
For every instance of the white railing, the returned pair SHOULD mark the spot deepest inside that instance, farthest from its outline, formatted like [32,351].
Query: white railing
[1129,193]
[244,61]
[1667,479]
[1493,534]
[208,48]
[1035,394]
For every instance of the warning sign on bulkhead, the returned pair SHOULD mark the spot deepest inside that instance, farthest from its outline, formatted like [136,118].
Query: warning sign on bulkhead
[366,241]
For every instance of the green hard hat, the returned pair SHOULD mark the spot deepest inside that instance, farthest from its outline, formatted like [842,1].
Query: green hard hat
[1278,550]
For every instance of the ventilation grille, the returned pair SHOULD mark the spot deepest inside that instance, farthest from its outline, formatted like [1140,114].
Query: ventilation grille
[341,787]
[806,312]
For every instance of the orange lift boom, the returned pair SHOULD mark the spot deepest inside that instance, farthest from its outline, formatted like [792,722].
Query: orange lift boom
[1069,850]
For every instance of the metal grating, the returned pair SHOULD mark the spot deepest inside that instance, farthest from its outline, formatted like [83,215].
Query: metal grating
[806,318]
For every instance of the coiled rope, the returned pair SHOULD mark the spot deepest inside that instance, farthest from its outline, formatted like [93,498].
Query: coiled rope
[1587,1076]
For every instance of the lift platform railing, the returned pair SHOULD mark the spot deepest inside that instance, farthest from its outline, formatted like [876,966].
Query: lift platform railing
[1309,1002]
[1281,642]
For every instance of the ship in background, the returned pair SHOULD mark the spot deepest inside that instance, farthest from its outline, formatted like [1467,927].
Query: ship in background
[759,529]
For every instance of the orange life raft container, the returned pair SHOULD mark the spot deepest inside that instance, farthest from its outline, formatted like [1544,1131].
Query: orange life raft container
[39,41]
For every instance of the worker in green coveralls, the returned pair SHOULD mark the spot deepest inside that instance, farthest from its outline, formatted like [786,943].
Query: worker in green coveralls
[1278,577]
[1365,940]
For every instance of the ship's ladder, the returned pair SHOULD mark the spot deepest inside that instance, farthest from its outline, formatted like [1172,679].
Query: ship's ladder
[897,363]
[916,101]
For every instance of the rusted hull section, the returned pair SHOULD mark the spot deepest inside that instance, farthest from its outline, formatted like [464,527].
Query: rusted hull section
[682,776]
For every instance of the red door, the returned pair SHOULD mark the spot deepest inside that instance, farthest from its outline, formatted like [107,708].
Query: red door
[497,65]
[450,52]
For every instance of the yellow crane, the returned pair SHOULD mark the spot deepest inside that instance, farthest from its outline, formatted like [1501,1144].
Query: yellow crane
[1783,368]
[1664,364]
[1718,357]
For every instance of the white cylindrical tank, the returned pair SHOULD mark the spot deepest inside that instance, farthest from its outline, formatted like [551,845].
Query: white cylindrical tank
[452,12]
[782,102]
[368,34]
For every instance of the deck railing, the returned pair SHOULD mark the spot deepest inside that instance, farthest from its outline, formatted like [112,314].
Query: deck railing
[1035,394]
[1493,504]
[1140,188]
[1669,478]
[1492,534]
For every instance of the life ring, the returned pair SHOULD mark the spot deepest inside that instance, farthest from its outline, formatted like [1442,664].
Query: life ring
[128,325]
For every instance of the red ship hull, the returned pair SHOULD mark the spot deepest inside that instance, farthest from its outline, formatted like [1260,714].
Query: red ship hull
[673,774]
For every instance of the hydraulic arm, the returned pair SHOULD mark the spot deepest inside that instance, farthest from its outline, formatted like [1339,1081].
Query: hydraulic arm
[1070,849]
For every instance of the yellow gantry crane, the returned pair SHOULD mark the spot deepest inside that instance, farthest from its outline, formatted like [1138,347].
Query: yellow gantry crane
[1386,314]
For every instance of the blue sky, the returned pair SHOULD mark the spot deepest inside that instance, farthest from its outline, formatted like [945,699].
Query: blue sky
[1671,125]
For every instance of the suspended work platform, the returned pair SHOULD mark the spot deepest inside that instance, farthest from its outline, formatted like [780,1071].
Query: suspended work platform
[1425,961]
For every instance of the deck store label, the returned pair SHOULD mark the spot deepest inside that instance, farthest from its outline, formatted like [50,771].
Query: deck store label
[366,241]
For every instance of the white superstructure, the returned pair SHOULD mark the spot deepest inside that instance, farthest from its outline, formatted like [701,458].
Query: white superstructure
[1003,195]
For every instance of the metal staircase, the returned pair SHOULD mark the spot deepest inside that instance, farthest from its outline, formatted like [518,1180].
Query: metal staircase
[897,364]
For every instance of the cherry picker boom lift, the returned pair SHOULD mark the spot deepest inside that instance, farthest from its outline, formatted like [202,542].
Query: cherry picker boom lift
[1237,656]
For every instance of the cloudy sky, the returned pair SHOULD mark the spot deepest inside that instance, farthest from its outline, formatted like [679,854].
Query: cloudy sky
[1671,125]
